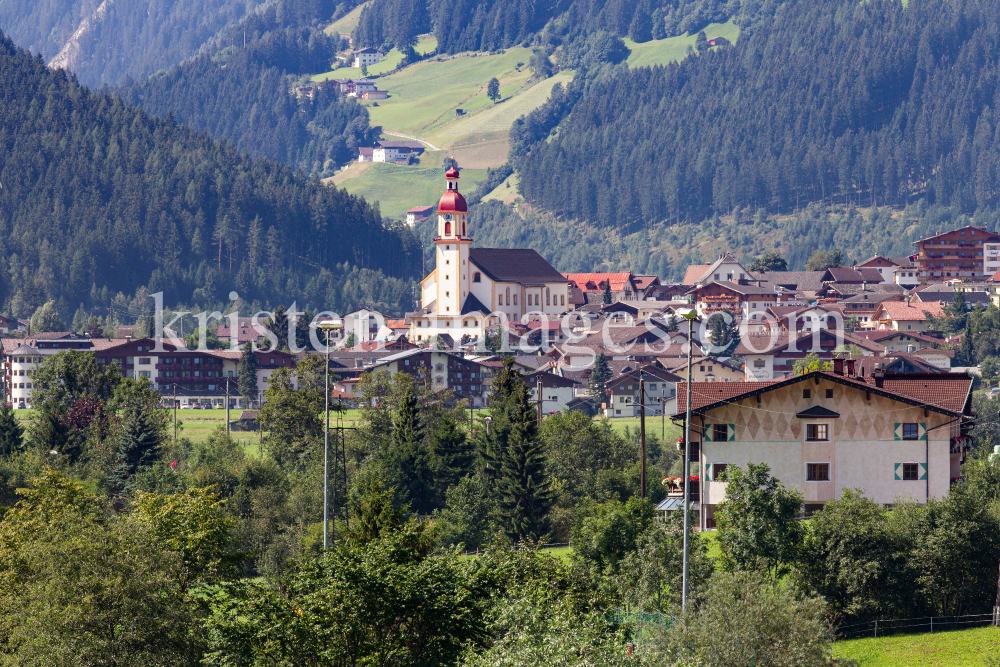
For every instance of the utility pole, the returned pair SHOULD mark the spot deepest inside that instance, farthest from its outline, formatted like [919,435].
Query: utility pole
[227,406]
[663,412]
[690,316]
[175,414]
[642,436]
[326,449]
[538,390]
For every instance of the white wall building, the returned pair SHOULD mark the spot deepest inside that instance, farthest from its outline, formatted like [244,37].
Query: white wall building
[366,57]
[472,289]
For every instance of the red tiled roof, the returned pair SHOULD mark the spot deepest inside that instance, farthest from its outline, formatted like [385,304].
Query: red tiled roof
[916,311]
[593,282]
[947,392]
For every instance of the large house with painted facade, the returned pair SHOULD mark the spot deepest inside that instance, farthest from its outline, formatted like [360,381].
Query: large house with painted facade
[894,436]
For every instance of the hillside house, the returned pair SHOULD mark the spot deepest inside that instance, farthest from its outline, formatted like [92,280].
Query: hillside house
[895,436]
[392,151]
[557,391]
[366,57]
[418,214]
[591,286]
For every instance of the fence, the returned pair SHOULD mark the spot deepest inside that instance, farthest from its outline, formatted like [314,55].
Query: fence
[642,625]
[883,627]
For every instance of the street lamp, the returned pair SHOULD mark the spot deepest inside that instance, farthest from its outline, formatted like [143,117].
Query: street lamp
[327,326]
[691,315]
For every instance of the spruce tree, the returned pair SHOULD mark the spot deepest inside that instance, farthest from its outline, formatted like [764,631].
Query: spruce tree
[247,374]
[50,432]
[966,352]
[600,373]
[138,443]
[525,491]
[278,325]
[408,456]
[11,433]
[607,291]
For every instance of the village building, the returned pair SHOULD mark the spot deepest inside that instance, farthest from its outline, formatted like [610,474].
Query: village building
[418,214]
[472,289]
[746,301]
[441,370]
[558,392]
[906,316]
[394,151]
[725,268]
[659,387]
[773,355]
[592,286]
[894,436]
[366,57]
[967,252]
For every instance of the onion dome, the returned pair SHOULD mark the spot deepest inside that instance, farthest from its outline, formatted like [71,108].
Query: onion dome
[452,202]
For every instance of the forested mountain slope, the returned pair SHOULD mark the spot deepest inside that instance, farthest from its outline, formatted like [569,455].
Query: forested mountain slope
[102,41]
[98,197]
[241,90]
[838,101]
[486,25]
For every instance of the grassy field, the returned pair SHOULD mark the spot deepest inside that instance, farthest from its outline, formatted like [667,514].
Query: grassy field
[398,188]
[507,192]
[346,24]
[961,648]
[653,426]
[663,51]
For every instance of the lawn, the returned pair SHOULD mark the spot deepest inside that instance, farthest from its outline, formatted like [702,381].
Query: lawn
[663,51]
[960,648]
[663,429]
[398,188]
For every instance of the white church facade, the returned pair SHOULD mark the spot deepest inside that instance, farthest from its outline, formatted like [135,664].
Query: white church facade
[473,289]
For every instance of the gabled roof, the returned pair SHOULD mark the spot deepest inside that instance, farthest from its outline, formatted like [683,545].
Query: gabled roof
[875,258]
[916,311]
[642,282]
[473,305]
[871,275]
[804,281]
[752,344]
[709,269]
[514,265]
[652,372]
[946,393]
[593,282]
[843,274]
[976,228]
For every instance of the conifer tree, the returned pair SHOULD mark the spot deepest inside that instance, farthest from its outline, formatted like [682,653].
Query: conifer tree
[11,433]
[247,374]
[525,490]
[599,375]
[278,325]
[408,456]
[138,443]
[607,291]
[51,433]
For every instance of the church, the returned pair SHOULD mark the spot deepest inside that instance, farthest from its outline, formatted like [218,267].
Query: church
[472,289]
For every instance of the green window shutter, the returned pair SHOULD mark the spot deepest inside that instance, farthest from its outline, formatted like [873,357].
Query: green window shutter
[921,433]
[922,469]
[707,436]
[899,471]
[732,432]
[898,431]
[708,472]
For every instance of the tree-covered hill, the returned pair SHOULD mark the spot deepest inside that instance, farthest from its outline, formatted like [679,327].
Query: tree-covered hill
[486,25]
[102,42]
[98,197]
[859,103]
[244,92]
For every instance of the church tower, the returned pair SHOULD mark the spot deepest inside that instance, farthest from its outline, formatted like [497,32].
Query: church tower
[452,253]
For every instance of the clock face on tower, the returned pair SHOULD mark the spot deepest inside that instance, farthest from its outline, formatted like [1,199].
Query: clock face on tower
[447,216]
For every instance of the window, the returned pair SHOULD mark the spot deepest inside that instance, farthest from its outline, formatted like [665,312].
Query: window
[447,229]
[910,432]
[720,432]
[910,472]
[829,393]
[144,374]
[717,471]
[806,393]
[143,360]
[515,299]
[817,432]
[500,299]
[508,296]
[562,299]
[477,277]
[817,472]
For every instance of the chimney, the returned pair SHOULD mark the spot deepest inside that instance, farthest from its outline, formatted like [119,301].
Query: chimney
[879,375]
[838,366]
[850,367]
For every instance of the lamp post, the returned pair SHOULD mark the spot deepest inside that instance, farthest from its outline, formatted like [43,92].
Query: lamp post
[690,314]
[327,326]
